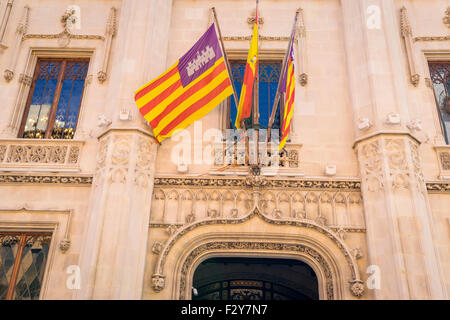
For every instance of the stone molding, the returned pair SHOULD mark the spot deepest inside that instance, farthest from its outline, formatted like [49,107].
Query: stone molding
[431,38]
[15,178]
[259,182]
[65,243]
[254,246]
[5,21]
[406,33]
[158,282]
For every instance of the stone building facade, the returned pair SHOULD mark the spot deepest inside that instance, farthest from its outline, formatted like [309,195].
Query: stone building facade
[92,208]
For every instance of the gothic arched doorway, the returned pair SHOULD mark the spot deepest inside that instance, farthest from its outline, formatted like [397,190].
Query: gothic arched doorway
[236,278]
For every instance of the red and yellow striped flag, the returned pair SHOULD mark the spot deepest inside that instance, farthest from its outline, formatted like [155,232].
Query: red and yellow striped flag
[245,102]
[189,90]
[288,87]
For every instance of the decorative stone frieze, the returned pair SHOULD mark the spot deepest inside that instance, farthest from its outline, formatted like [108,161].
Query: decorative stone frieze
[282,183]
[85,180]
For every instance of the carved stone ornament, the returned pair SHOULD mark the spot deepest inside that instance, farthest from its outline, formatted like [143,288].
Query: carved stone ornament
[103,121]
[372,166]
[45,179]
[254,181]
[171,230]
[446,18]
[357,253]
[357,288]
[303,79]
[68,19]
[445,160]
[157,247]
[101,76]
[415,79]
[252,18]
[9,75]
[158,282]
[273,246]
[26,80]
[64,245]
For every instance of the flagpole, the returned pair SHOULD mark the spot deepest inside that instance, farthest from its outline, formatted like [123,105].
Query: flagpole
[283,71]
[256,92]
[227,63]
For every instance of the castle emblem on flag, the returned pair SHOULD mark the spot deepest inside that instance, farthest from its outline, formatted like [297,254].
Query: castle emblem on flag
[207,55]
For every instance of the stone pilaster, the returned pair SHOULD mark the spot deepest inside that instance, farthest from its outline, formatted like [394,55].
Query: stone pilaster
[113,257]
[398,217]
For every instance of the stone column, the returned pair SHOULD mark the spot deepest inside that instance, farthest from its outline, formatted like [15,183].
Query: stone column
[113,257]
[398,217]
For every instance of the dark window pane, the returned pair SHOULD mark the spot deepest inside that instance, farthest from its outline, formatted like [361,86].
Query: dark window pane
[42,99]
[440,76]
[8,251]
[269,73]
[32,267]
[70,100]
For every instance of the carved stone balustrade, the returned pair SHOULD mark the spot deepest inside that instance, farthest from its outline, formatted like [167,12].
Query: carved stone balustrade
[286,162]
[40,155]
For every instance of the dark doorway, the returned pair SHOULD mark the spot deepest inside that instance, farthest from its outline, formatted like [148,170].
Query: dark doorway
[254,279]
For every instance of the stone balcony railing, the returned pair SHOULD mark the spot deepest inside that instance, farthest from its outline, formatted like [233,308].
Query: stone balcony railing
[286,161]
[40,155]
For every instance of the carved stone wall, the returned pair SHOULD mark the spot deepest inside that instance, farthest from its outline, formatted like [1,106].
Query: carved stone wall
[121,192]
[397,215]
[336,204]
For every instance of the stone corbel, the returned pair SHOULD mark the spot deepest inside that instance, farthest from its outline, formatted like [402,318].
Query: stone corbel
[111,30]
[300,39]
[405,29]
[4,24]
[21,31]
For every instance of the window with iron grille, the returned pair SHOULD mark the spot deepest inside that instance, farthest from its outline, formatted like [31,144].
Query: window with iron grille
[440,76]
[269,75]
[53,105]
[23,257]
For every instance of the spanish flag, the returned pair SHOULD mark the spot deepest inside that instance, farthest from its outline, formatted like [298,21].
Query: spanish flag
[189,90]
[288,87]
[245,102]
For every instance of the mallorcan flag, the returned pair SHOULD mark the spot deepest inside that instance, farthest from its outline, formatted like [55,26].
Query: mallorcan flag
[288,86]
[189,90]
[245,102]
